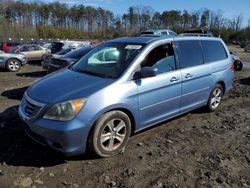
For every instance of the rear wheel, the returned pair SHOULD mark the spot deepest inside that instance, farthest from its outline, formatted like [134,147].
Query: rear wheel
[110,134]
[13,65]
[215,98]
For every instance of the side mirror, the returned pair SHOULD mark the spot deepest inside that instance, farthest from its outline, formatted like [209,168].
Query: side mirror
[147,72]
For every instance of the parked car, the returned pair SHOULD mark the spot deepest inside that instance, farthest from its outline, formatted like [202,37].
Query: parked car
[7,46]
[47,59]
[197,32]
[58,46]
[159,32]
[12,62]
[238,65]
[57,63]
[247,46]
[47,45]
[33,52]
[124,86]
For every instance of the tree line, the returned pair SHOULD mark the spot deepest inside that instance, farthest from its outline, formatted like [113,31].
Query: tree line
[58,20]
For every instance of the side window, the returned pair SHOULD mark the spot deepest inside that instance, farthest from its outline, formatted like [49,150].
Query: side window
[164,33]
[161,58]
[189,53]
[37,48]
[213,51]
[32,48]
[172,34]
[24,49]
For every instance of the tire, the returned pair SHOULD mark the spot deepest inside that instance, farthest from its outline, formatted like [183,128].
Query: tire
[13,65]
[215,98]
[238,65]
[105,139]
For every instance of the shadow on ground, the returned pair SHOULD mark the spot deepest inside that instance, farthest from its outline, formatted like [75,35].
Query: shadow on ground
[16,94]
[245,81]
[17,149]
[37,74]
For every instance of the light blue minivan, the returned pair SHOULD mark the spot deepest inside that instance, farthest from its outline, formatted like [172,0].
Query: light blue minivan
[123,86]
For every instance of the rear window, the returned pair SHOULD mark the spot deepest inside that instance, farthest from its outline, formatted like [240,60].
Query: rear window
[190,53]
[77,54]
[213,51]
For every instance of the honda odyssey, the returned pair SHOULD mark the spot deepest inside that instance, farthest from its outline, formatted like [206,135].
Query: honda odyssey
[123,86]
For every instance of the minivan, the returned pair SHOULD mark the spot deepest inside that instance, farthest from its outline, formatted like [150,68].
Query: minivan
[124,86]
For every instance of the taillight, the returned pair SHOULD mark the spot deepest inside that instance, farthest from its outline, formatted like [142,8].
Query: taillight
[232,67]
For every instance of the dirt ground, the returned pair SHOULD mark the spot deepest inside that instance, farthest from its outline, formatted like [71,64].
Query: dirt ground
[198,149]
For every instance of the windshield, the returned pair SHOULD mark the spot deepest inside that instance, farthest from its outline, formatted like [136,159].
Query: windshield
[108,60]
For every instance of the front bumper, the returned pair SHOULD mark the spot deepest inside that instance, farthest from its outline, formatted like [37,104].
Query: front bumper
[68,137]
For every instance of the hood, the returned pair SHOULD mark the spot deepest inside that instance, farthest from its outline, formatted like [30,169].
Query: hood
[66,85]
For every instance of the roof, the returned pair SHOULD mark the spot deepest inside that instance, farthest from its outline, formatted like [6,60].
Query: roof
[138,40]
[151,39]
[157,30]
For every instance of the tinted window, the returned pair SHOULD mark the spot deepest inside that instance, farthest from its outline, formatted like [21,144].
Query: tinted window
[164,33]
[190,53]
[213,51]
[147,33]
[38,48]
[77,54]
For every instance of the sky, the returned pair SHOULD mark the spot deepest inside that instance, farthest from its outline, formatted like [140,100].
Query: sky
[229,8]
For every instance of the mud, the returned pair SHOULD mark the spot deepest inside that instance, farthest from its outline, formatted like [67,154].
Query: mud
[197,149]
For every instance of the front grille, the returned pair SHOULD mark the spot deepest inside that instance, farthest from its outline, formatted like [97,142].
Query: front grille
[31,110]
[30,107]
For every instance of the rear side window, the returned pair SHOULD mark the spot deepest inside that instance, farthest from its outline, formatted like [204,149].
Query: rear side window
[213,51]
[190,53]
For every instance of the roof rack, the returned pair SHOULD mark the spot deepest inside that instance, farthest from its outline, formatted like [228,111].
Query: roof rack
[196,34]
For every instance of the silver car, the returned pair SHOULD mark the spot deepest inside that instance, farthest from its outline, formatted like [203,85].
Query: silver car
[11,61]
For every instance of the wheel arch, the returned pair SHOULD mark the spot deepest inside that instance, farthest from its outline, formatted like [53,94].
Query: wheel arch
[14,59]
[222,83]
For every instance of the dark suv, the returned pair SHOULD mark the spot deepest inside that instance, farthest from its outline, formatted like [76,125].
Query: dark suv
[57,63]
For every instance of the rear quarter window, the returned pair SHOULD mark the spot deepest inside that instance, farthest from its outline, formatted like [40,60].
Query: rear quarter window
[213,51]
[189,53]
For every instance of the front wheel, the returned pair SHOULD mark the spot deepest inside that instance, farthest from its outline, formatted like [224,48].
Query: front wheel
[110,134]
[13,65]
[215,98]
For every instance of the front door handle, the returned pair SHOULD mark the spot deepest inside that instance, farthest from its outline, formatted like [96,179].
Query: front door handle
[174,79]
[188,75]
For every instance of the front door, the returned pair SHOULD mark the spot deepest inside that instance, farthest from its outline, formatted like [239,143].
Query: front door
[159,96]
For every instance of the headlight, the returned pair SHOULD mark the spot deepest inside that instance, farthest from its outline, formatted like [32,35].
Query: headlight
[65,111]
